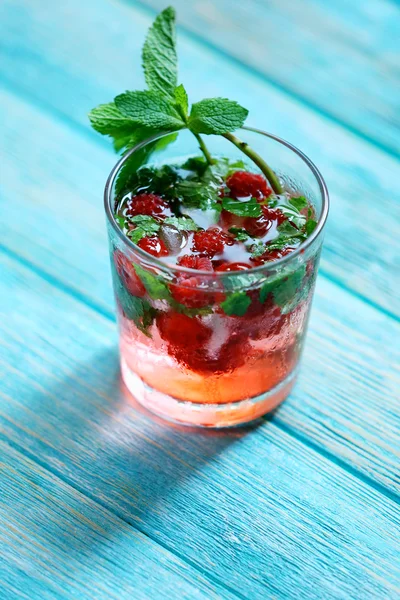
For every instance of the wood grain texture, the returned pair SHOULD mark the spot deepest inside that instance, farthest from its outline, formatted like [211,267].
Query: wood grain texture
[256,510]
[59,544]
[89,63]
[341,58]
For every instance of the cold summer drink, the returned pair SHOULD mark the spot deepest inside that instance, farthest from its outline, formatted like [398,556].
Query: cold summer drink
[214,257]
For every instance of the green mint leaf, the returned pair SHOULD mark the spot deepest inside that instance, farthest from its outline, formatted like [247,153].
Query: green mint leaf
[160,180]
[136,309]
[164,181]
[156,288]
[146,226]
[221,169]
[299,203]
[258,249]
[122,142]
[283,288]
[145,221]
[310,226]
[216,116]
[127,173]
[192,312]
[196,194]
[136,235]
[242,209]
[225,167]
[182,102]
[121,221]
[159,54]
[288,209]
[182,223]
[197,164]
[286,228]
[239,280]
[149,109]
[240,234]
[281,242]
[149,314]
[127,177]
[236,304]
[108,120]
[288,236]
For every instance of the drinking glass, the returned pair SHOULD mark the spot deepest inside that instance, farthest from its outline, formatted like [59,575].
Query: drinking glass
[208,368]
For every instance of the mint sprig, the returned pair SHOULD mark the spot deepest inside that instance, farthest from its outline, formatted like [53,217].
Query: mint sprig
[134,116]
[108,120]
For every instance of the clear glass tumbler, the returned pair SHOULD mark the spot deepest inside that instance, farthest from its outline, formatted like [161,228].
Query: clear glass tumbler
[215,370]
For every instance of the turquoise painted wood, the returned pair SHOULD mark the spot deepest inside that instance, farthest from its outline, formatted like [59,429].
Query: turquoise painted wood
[68,546]
[259,512]
[96,499]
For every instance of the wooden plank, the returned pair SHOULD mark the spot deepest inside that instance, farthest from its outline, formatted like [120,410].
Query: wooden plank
[351,358]
[89,63]
[341,58]
[257,510]
[59,544]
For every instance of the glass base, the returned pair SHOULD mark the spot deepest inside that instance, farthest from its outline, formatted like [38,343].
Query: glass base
[205,415]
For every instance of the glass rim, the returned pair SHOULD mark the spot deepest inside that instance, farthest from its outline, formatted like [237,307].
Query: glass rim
[178,268]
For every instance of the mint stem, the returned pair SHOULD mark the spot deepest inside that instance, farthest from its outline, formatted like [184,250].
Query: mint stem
[204,149]
[256,158]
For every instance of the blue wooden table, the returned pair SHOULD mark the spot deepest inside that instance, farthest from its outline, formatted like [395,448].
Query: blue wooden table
[97,501]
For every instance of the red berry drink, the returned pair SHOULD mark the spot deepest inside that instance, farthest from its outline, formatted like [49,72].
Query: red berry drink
[214,273]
